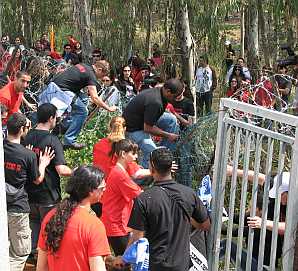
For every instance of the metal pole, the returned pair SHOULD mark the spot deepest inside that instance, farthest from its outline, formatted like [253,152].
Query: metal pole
[292,211]
[214,241]
[4,248]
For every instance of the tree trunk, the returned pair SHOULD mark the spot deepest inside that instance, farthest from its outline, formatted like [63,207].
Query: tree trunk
[263,34]
[149,29]
[27,24]
[81,16]
[289,24]
[185,42]
[1,3]
[242,31]
[253,40]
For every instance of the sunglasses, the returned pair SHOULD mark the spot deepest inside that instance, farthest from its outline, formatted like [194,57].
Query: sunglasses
[96,55]
[106,80]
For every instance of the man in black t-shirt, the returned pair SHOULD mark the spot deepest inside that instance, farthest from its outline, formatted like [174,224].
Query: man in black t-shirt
[164,214]
[43,197]
[69,84]
[183,109]
[145,116]
[21,169]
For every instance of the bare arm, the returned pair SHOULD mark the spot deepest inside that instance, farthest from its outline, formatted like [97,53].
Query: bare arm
[154,130]
[256,223]
[31,106]
[240,172]
[42,261]
[205,226]
[97,263]
[63,170]
[97,100]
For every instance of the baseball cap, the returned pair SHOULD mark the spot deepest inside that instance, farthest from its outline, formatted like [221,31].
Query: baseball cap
[284,187]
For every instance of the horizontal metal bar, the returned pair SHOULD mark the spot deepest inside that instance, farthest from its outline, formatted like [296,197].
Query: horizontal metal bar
[260,111]
[260,130]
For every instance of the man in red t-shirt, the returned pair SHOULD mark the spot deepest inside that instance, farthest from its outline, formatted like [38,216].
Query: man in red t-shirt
[12,94]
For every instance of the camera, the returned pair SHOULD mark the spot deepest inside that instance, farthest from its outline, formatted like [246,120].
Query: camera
[292,58]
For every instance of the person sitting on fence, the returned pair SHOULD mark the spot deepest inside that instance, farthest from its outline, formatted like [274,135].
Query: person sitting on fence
[255,222]
[66,89]
[145,116]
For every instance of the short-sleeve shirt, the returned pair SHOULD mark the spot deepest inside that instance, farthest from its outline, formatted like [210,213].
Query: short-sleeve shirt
[21,169]
[49,191]
[76,78]
[103,160]
[284,83]
[147,107]
[11,99]
[184,107]
[84,237]
[117,201]
[165,223]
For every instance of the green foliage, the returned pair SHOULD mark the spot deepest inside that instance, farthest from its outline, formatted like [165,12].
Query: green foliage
[94,130]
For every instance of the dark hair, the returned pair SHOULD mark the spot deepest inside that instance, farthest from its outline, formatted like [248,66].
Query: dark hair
[45,112]
[125,145]
[19,74]
[66,45]
[74,58]
[174,85]
[83,181]
[161,160]
[3,108]
[241,59]
[205,58]
[15,122]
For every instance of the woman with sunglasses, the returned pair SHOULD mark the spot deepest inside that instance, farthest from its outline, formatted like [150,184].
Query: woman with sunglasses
[125,83]
[237,73]
[233,87]
[72,237]
[110,94]
[118,198]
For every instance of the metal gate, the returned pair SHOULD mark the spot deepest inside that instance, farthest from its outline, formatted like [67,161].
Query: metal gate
[271,137]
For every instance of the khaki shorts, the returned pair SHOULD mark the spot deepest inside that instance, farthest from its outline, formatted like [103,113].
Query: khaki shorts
[19,236]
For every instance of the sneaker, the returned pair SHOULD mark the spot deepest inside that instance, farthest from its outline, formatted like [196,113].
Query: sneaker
[74,146]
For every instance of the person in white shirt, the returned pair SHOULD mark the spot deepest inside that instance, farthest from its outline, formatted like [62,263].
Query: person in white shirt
[206,82]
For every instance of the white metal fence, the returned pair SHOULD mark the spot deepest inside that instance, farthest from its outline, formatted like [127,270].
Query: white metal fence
[240,141]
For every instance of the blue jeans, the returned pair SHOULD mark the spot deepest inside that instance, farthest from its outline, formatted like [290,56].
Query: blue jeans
[167,122]
[77,118]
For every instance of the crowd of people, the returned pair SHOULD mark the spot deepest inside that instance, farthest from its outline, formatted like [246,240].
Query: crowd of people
[66,234]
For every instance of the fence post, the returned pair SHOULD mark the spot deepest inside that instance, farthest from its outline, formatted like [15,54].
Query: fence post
[4,247]
[292,211]
[213,240]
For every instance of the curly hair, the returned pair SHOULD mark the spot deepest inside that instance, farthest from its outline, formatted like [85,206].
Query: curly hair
[83,181]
